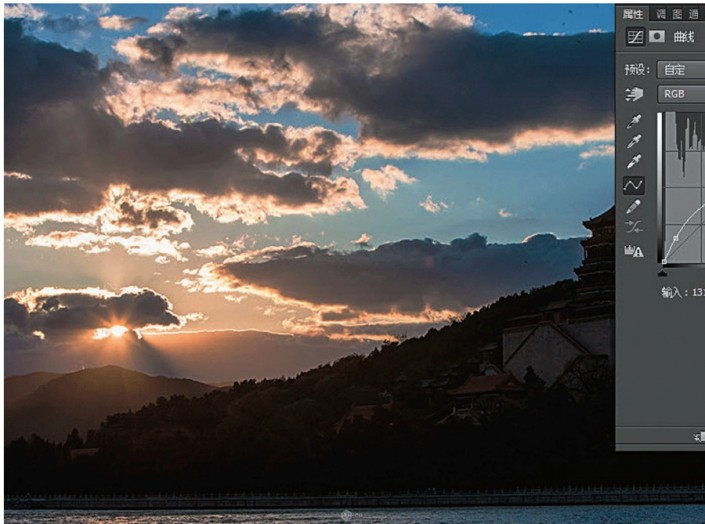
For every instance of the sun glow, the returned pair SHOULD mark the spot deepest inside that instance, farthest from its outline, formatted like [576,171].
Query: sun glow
[111,332]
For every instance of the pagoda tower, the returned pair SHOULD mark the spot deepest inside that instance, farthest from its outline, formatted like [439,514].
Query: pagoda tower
[596,274]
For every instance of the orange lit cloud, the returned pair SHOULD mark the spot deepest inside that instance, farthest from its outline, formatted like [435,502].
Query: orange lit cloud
[139,223]
[373,62]
[385,179]
[27,11]
[120,23]
[432,206]
[603,150]
[228,172]
[332,196]
[364,240]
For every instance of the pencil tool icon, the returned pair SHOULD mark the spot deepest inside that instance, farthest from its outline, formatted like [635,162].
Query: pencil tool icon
[633,207]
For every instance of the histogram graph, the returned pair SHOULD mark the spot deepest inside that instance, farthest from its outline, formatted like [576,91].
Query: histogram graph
[683,189]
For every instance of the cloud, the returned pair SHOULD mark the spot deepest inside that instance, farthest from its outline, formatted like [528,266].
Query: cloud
[27,11]
[18,176]
[35,18]
[57,313]
[385,21]
[147,214]
[363,240]
[223,249]
[139,223]
[399,283]
[602,150]
[432,206]
[417,78]
[297,248]
[504,213]
[385,180]
[120,23]
[84,240]
[161,248]
[96,9]
[218,250]
[56,100]
[64,24]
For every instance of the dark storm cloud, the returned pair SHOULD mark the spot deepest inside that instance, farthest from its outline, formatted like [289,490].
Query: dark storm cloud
[249,33]
[485,87]
[60,133]
[65,311]
[293,151]
[16,314]
[44,73]
[434,82]
[38,195]
[408,276]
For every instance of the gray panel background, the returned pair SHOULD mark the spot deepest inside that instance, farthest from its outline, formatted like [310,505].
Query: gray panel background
[660,343]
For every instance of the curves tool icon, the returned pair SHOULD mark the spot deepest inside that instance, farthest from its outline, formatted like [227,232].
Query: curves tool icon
[633,185]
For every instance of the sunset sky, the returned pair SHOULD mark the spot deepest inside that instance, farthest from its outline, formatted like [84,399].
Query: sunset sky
[329,176]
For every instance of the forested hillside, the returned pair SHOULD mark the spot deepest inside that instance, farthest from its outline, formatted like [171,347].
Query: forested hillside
[303,433]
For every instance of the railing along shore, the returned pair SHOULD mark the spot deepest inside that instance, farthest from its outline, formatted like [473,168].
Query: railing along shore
[353,499]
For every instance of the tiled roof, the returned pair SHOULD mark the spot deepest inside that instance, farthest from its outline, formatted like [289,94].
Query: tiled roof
[504,382]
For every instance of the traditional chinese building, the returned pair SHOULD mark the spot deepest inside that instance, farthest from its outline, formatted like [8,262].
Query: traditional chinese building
[576,335]
[480,396]
[596,274]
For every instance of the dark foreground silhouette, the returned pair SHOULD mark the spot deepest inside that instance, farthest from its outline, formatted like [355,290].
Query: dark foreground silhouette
[381,422]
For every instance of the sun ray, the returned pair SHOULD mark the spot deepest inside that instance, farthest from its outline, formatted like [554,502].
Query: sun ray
[115,331]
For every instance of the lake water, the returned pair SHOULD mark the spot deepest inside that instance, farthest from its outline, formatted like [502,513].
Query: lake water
[501,515]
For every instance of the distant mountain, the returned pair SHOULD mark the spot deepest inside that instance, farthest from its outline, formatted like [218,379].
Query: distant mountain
[83,399]
[211,357]
[20,386]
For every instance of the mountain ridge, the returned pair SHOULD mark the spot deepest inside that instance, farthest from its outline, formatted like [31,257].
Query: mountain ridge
[83,399]
[18,386]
